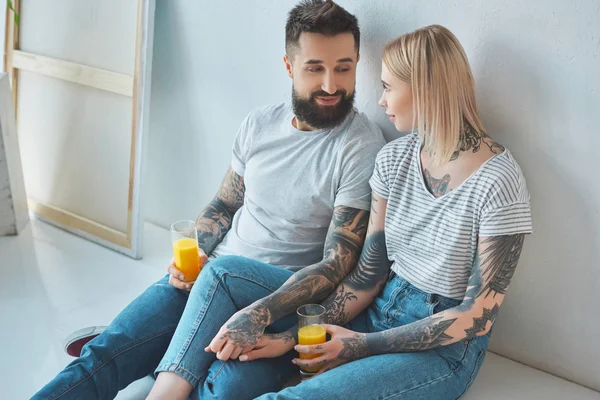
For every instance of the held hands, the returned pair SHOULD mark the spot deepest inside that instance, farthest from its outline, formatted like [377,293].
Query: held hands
[239,338]
[270,346]
[177,278]
[344,346]
[241,333]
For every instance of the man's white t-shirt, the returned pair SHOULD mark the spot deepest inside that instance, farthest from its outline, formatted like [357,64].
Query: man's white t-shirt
[293,180]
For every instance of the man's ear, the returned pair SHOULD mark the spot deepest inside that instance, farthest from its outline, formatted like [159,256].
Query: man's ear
[288,66]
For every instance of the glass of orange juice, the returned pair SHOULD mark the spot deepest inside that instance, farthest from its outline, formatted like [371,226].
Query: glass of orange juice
[310,331]
[185,249]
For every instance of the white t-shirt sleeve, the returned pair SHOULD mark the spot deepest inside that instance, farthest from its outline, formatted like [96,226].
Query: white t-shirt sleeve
[357,167]
[381,174]
[241,147]
[508,220]
[507,210]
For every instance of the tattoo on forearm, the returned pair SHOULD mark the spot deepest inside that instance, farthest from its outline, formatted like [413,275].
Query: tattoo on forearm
[491,275]
[370,275]
[336,304]
[286,336]
[418,336]
[354,348]
[373,266]
[212,225]
[314,283]
[215,220]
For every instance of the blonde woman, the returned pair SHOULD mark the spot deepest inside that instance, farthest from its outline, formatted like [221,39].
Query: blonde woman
[449,212]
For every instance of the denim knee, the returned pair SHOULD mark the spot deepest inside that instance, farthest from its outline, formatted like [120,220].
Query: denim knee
[226,264]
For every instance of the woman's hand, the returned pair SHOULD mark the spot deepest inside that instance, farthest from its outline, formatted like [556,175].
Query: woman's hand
[344,346]
[270,346]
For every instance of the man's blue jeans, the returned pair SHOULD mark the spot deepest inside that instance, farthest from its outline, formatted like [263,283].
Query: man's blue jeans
[136,340]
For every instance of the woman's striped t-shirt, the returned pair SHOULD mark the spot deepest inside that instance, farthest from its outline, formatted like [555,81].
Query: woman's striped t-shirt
[431,241]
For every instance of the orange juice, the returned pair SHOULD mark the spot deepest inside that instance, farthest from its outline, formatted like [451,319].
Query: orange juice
[187,259]
[308,335]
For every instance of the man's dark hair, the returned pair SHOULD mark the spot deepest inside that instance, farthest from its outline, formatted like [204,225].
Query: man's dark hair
[319,16]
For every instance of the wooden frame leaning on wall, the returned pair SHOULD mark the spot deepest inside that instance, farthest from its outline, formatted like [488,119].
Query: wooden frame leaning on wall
[136,87]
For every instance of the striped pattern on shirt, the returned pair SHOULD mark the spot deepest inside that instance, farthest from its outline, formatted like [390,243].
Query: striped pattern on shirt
[432,242]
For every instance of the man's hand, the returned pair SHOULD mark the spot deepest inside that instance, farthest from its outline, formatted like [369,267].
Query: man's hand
[344,346]
[241,333]
[177,278]
[270,346]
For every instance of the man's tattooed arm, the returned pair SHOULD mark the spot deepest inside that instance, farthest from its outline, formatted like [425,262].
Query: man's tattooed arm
[313,283]
[365,281]
[490,278]
[310,285]
[215,220]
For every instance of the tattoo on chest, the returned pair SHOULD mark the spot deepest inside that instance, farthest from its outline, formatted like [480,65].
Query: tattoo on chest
[437,187]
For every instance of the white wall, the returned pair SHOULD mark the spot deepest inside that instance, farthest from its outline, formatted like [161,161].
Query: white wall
[537,65]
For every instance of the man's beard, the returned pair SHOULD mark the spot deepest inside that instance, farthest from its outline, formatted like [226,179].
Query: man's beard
[318,116]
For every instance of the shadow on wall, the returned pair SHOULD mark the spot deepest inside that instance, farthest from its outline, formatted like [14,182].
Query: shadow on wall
[174,140]
[525,110]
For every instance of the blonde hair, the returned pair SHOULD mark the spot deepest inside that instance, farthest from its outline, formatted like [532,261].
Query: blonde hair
[433,61]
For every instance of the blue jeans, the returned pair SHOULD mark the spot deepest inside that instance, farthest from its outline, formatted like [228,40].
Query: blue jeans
[231,283]
[126,351]
[136,340]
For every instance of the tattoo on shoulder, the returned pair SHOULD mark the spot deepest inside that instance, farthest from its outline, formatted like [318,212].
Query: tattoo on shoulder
[232,190]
